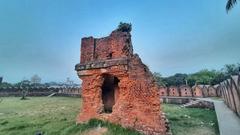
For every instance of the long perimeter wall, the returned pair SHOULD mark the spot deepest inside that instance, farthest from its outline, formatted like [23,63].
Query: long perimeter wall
[230,90]
[40,91]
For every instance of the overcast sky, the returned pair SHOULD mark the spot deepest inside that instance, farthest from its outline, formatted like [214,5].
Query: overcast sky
[43,36]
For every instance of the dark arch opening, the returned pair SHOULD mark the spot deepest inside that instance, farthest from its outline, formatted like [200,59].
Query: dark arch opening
[110,90]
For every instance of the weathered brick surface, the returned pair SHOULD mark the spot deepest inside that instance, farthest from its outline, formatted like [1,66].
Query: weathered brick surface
[205,90]
[197,91]
[163,91]
[117,45]
[173,91]
[108,64]
[212,91]
[185,91]
[218,90]
[230,92]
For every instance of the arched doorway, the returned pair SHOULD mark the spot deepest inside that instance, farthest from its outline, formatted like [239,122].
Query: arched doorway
[109,92]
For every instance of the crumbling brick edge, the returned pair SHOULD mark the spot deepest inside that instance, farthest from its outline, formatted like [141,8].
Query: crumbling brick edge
[167,124]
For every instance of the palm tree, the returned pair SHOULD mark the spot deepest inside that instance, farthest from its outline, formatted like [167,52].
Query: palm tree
[230,4]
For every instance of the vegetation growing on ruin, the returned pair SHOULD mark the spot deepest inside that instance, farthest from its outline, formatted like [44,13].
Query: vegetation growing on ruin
[124,27]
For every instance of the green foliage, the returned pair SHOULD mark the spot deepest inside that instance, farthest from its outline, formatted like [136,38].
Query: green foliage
[208,77]
[23,84]
[159,79]
[5,84]
[124,27]
[202,77]
[176,80]
[231,69]
[113,129]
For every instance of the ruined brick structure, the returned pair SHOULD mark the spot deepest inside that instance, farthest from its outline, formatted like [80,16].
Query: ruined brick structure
[230,92]
[218,90]
[197,90]
[212,92]
[173,91]
[205,90]
[163,91]
[117,86]
[185,91]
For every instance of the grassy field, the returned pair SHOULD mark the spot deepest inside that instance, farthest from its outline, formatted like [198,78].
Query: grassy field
[53,116]
[191,121]
[56,116]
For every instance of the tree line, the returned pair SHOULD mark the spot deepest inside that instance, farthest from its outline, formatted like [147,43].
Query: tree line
[205,76]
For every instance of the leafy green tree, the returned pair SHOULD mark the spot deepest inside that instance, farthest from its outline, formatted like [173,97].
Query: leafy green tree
[176,80]
[231,69]
[159,79]
[24,86]
[208,77]
[1,78]
[202,77]
[220,76]
[5,84]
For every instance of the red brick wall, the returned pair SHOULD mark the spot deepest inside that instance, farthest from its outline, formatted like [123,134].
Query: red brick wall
[163,91]
[87,49]
[137,94]
[212,92]
[185,91]
[197,91]
[117,45]
[173,91]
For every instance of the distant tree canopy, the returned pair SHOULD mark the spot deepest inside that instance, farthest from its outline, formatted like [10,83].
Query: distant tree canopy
[23,84]
[5,84]
[124,27]
[159,79]
[175,80]
[202,77]
[208,77]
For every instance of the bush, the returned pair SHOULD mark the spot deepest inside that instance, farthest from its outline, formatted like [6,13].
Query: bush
[124,27]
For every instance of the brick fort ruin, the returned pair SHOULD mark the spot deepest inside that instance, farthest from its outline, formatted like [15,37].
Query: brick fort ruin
[117,86]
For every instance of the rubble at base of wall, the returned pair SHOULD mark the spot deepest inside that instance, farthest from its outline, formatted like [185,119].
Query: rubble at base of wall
[67,95]
[174,100]
[203,104]
[198,103]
